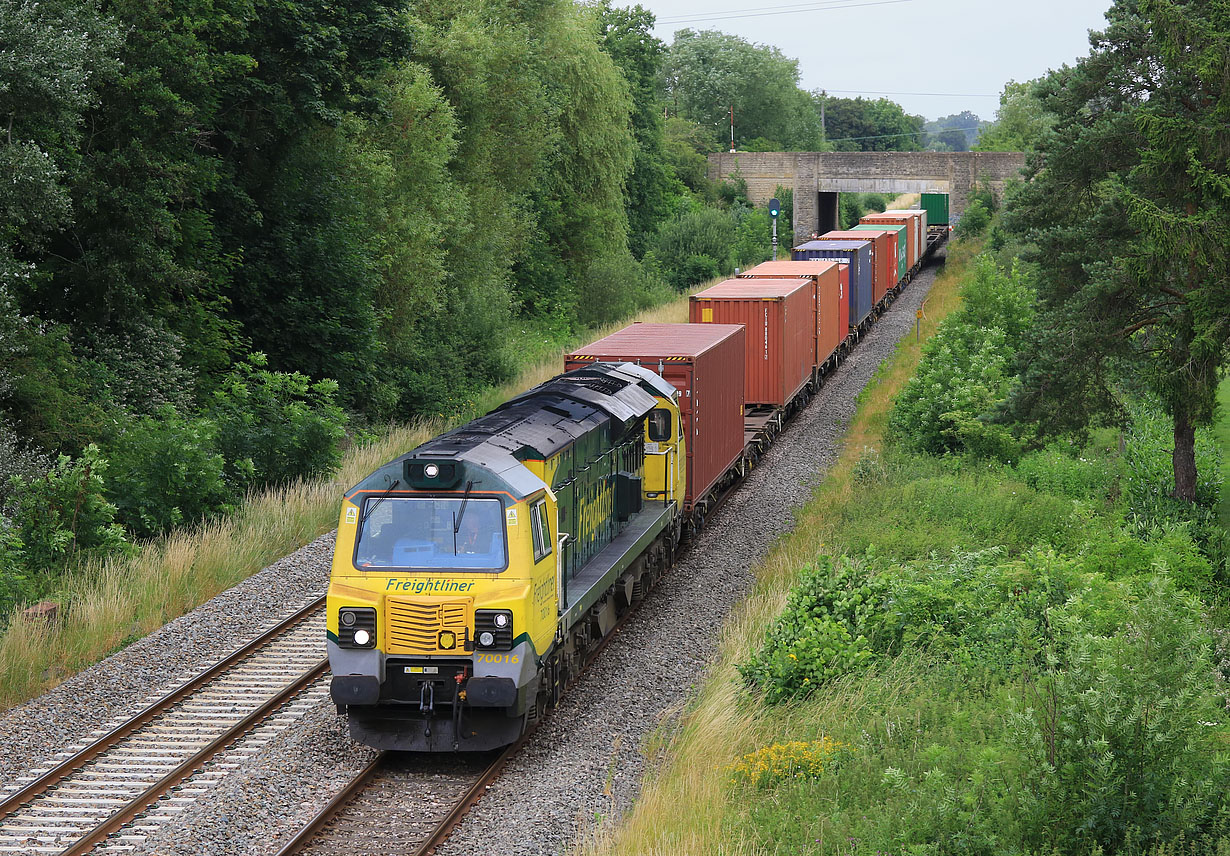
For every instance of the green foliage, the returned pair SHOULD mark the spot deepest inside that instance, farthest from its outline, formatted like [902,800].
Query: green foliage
[15,586]
[753,236]
[708,72]
[56,53]
[1066,472]
[64,513]
[974,221]
[275,427]
[695,246]
[1128,219]
[866,125]
[1020,123]
[1124,735]
[814,639]
[165,471]
[967,369]
[1150,503]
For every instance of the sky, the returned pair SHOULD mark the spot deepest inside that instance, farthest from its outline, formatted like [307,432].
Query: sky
[959,52]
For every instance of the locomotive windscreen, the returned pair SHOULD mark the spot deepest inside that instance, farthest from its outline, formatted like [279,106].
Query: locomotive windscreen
[431,533]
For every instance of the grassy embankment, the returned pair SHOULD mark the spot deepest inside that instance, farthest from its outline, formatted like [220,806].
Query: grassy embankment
[685,807]
[122,599]
[1222,431]
[1009,661]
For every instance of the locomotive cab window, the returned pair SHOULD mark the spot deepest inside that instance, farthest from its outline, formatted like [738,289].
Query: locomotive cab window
[430,533]
[659,424]
[541,530]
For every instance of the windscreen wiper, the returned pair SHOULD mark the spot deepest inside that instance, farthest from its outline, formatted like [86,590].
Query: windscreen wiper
[376,504]
[457,515]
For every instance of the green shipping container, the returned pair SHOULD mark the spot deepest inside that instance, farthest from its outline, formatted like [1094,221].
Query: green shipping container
[902,245]
[936,206]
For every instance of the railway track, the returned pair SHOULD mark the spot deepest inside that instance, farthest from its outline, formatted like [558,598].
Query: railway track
[114,793]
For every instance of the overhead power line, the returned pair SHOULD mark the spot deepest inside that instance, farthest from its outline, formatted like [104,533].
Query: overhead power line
[764,11]
[932,94]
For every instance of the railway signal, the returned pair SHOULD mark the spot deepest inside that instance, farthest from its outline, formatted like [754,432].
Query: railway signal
[775,208]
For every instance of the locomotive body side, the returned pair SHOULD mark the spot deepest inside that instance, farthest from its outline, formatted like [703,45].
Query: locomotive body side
[462,570]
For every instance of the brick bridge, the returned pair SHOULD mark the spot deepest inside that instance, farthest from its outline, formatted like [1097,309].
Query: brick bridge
[817,177]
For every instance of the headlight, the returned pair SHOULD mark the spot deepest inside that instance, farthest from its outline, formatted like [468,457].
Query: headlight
[431,471]
[493,629]
[356,627]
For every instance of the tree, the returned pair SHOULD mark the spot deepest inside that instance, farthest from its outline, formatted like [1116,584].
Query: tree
[864,125]
[627,36]
[709,72]
[52,56]
[1019,123]
[1128,212]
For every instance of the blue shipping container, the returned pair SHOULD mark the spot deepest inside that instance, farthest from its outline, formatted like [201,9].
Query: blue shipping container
[857,254]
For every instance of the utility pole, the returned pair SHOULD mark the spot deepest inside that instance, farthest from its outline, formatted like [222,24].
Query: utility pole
[732,129]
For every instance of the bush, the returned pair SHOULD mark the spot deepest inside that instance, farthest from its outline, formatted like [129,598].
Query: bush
[696,246]
[972,223]
[166,471]
[1053,470]
[1126,735]
[966,369]
[65,512]
[275,427]
[14,583]
[813,640]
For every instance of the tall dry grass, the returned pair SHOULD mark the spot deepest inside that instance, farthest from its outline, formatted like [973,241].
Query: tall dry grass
[905,200]
[684,801]
[109,603]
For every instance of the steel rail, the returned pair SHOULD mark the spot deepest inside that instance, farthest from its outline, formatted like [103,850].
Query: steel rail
[190,765]
[79,759]
[301,838]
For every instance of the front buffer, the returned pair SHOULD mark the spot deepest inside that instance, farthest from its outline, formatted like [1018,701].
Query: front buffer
[434,704]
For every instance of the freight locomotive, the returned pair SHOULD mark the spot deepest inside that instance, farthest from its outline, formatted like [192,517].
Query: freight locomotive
[474,576]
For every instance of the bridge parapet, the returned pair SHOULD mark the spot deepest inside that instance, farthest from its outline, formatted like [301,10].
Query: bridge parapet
[812,174]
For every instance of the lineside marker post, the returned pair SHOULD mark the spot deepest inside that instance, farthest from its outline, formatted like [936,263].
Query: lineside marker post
[917,324]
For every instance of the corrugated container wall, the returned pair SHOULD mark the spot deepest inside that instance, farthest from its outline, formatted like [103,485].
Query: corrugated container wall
[829,297]
[936,206]
[922,224]
[883,256]
[902,242]
[780,316]
[705,362]
[916,240]
[843,308]
[856,254]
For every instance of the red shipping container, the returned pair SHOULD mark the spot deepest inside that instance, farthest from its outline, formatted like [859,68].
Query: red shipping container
[843,308]
[705,362]
[829,293]
[913,249]
[919,217]
[780,316]
[883,257]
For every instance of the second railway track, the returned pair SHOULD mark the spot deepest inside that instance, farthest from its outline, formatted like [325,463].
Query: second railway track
[115,792]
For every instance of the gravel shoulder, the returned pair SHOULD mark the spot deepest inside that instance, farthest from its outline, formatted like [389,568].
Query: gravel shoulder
[583,766]
[118,687]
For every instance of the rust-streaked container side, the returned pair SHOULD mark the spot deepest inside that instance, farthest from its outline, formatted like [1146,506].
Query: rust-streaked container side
[830,329]
[781,331]
[705,362]
[883,257]
[895,218]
